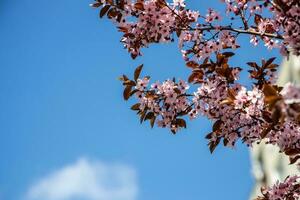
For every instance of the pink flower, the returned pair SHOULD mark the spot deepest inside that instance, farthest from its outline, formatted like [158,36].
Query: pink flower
[254,40]
[179,3]
[212,16]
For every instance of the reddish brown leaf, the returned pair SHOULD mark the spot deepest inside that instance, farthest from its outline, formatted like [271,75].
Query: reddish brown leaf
[181,122]
[192,64]
[213,145]
[109,2]
[195,76]
[228,54]
[294,159]
[149,116]
[122,29]
[137,72]
[152,121]
[272,66]
[129,82]
[292,152]
[270,61]
[253,64]
[142,115]
[133,92]
[269,90]
[123,78]
[217,125]
[231,94]
[139,6]
[112,13]
[209,136]
[126,93]
[96,5]
[258,19]
[104,10]
[160,3]
[133,56]
[136,106]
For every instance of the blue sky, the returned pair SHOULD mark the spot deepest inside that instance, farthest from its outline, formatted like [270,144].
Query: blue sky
[61,105]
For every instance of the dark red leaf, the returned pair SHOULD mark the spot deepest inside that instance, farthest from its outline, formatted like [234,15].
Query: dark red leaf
[104,10]
[181,123]
[136,106]
[139,6]
[96,5]
[137,72]
[126,93]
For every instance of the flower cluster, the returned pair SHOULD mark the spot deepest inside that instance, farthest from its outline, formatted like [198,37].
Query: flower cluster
[285,22]
[212,15]
[287,137]
[146,22]
[288,16]
[290,106]
[152,25]
[251,114]
[263,112]
[287,190]
[287,134]
[163,103]
[237,112]
[204,48]
[155,21]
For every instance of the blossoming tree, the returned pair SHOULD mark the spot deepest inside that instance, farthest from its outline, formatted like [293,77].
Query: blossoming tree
[263,112]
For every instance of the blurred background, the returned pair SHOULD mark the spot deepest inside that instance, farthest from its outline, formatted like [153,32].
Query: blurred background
[67,134]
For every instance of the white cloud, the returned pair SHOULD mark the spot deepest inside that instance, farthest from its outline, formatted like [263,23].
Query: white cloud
[87,180]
